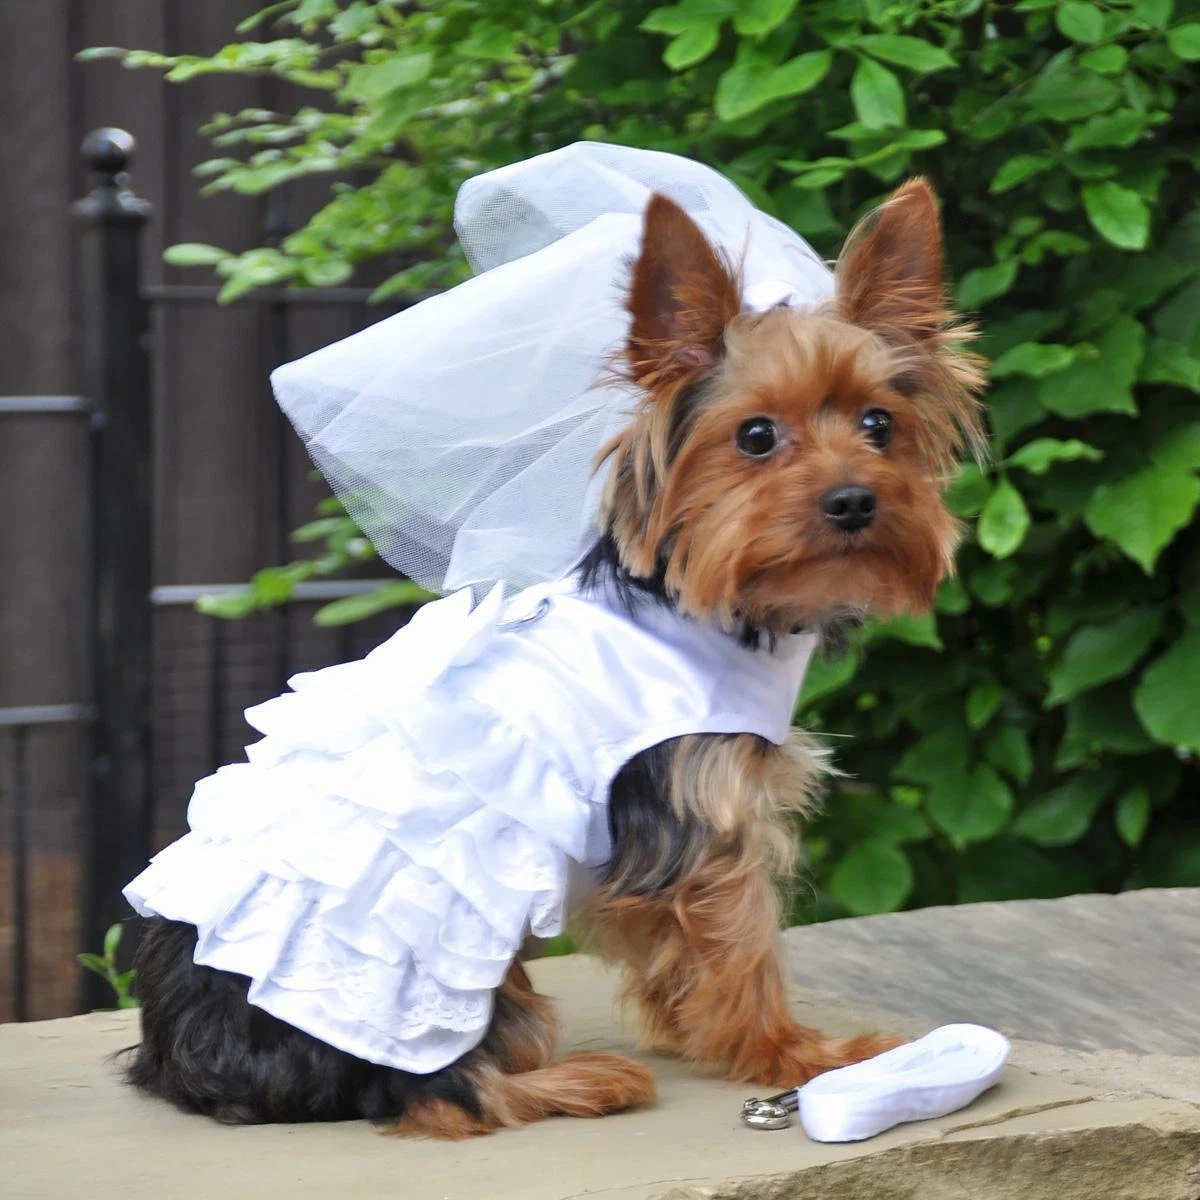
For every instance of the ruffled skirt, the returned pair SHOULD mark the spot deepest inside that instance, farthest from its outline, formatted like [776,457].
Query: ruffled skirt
[364,869]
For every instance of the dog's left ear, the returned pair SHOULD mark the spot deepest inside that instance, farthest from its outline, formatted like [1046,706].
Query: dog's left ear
[681,297]
[889,275]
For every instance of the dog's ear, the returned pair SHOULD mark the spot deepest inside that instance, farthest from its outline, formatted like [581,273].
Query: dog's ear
[681,297]
[889,276]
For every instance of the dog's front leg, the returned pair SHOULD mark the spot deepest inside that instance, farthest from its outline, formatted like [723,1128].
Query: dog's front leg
[733,1011]
[703,962]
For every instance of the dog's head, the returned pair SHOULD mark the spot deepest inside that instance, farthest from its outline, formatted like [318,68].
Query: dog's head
[786,468]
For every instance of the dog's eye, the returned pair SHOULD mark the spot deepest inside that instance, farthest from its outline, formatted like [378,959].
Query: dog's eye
[877,425]
[757,437]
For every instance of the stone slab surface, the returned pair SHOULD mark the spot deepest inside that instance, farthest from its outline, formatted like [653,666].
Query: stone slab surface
[1085,973]
[65,1120]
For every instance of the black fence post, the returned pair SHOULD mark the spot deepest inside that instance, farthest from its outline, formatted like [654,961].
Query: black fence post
[116,376]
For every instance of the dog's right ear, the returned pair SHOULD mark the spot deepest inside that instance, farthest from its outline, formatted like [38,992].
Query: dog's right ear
[681,297]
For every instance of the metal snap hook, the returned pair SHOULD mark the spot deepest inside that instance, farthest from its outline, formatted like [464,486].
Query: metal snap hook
[775,1112]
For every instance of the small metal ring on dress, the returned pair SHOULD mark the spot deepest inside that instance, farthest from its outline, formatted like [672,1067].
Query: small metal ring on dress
[543,607]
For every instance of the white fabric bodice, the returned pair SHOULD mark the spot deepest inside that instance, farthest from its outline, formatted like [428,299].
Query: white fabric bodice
[407,819]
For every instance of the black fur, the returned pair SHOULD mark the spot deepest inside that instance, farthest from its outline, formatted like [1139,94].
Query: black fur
[652,845]
[208,1050]
[602,564]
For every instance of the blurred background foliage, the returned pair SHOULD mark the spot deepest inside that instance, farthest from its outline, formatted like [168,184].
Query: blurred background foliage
[1038,734]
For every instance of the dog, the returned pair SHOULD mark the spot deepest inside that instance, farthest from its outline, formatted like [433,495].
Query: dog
[782,471]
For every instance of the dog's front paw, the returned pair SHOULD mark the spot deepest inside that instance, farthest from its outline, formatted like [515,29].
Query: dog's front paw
[809,1055]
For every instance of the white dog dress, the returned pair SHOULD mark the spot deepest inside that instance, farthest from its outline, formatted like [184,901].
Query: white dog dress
[409,818]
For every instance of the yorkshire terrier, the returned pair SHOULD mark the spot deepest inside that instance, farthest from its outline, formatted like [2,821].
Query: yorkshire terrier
[783,470]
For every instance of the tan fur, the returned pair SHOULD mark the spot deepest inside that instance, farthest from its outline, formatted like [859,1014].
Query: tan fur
[529,1033]
[577,1085]
[743,539]
[702,957]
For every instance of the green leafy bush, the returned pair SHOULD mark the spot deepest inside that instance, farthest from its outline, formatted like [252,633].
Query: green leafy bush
[1039,733]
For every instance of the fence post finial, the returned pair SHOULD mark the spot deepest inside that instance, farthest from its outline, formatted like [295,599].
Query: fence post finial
[107,153]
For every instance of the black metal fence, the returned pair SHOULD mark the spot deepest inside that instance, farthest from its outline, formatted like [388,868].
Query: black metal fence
[117,349]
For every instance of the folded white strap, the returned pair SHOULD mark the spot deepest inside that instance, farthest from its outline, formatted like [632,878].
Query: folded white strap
[935,1075]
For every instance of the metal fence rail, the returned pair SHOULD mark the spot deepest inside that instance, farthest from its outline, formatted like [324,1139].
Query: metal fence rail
[118,343]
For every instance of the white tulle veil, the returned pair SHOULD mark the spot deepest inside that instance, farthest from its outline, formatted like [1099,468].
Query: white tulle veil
[461,434]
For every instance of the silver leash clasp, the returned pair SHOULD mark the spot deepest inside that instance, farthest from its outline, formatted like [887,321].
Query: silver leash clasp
[775,1112]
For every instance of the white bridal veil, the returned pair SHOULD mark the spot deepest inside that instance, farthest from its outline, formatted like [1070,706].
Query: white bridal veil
[461,433]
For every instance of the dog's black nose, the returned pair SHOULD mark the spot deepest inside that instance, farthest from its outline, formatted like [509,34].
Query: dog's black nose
[850,508]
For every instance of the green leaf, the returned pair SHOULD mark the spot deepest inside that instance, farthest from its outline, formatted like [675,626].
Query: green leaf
[1015,407]
[353,21]
[325,272]
[971,808]
[1004,521]
[357,608]
[1118,214]
[1038,456]
[982,284]
[193,254]
[229,606]
[952,597]
[982,702]
[1102,382]
[1184,41]
[748,85]
[1155,13]
[676,18]
[1178,449]
[893,823]
[1167,700]
[1143,512]
[112,941]
[877,96]
[324,527]
[1101,721]
[969,491]
[1132,815]
[93,962]
[1105,60]
[1122,128]
[1064,92]
[1167,362]
[1033,358]
[1062,817]
[691,46]
[1007,747]
[993,582]
[370,81]
[1097,653]
[911,52]
[825,676]
[873,877]
[312,10]
[935,757]
[489,41]
[1017,170]
[753,18]
[1080,22]
[914,631]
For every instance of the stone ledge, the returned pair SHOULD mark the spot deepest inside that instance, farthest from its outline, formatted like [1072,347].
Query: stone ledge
[1065,1124]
